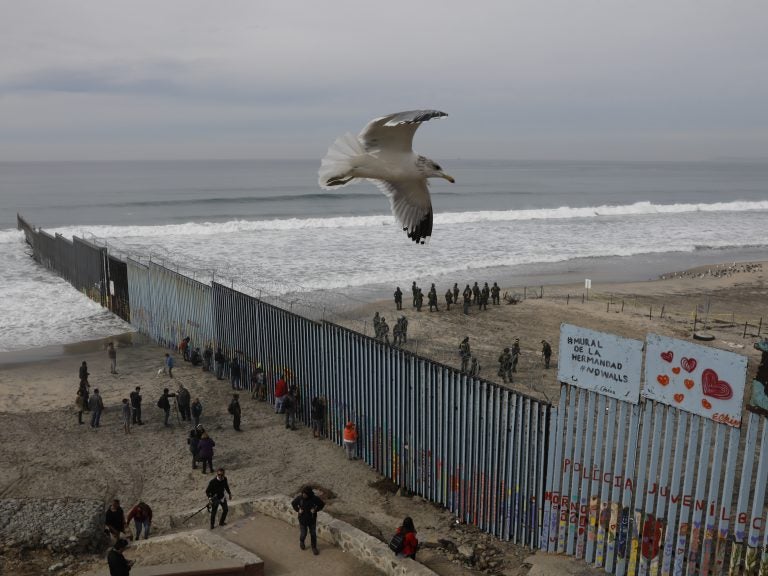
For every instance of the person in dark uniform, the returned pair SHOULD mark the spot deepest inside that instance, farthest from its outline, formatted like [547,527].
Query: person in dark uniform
[467,298]
[432,298]
[220,360]
[234,409]
[419,299]
[465,353]
[515,354]
[495,293]
[399,298]
[448,298]
[505,365]
[484,295]
[474,369]
[546,352]
[415,290]
[384,330]
[456,292]
[404,329]
[475,294]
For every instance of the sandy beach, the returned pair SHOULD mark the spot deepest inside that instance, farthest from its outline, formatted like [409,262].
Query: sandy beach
[45,453]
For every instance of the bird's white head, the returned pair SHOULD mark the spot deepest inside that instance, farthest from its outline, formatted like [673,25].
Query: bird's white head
[431,169]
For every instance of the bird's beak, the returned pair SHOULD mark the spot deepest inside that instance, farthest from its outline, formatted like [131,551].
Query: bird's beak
[447,177]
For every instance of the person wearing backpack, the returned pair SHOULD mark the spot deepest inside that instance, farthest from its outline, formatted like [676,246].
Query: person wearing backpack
[404,542]
[164,403]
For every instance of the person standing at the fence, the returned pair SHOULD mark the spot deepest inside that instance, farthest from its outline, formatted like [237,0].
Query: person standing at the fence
[135,397]
[317,409]
[281,389]
[208,358]
[546,352]
[234,373]
[112,354]
[290,405]
[350,440]
[220,362]
[307,504]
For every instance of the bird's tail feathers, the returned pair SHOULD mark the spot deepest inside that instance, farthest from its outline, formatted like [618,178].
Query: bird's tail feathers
[338,163]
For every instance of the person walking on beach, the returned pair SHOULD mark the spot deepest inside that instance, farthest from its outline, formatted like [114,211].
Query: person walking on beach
[197,410]
[141,514]
[220,360]
[183,400]
[456,292]
[118,565]
[399,298]
[126,414]
[169,363]
[546,353]
[410,542]
[234,409]
[135,397]
[448,299]
[467,295]
[205,451]
[415,291]
[216,494]
[307,504]
[350,440]
[289,405]
[112,354]
[96,405]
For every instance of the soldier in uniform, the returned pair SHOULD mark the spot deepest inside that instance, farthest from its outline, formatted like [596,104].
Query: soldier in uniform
[484,293]
[474,370]
[465,353]
[515,354]
[546,352]
[376,325]
[448,298]
[399,298]
[476,294]
[419,299]
[397,333]
[456,292]
[384,330]
[404,329]
[415,290]
[495,293]
[467,298]
[432,298]
[505,365]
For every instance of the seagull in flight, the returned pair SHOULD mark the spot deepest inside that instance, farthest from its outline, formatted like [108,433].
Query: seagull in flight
[383,153]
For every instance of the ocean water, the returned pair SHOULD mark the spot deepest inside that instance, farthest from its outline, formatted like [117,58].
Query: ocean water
[266,228]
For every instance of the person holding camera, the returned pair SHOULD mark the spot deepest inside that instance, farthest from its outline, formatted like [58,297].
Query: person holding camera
[118,564]
[308,505]
[216,494]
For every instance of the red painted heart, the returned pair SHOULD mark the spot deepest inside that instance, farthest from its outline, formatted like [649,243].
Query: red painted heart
[688,364]
[712,386]
[667,356]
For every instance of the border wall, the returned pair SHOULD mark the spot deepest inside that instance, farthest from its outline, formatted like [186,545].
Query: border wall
[472,446]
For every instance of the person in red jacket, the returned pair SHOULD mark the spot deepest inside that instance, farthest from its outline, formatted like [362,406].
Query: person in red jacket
[410,542]
[281,389]
[141,514]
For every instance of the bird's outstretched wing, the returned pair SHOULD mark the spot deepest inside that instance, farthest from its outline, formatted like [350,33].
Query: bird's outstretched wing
[411,206]
[394,132]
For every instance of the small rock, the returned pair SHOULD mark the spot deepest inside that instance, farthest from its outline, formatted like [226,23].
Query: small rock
[467,551]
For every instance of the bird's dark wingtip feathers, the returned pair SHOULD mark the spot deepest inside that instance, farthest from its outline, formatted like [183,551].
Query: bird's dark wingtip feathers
[422,230]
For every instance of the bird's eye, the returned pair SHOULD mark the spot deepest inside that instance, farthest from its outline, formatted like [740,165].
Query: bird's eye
[437,167]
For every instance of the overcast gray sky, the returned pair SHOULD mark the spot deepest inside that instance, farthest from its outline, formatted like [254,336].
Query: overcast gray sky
[562,79]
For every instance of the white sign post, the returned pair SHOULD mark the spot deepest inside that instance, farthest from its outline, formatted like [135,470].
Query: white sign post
[604,363]
[587,286]
[698,379]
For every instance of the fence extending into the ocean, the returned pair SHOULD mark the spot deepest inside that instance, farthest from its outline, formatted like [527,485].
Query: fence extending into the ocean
[658,482]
